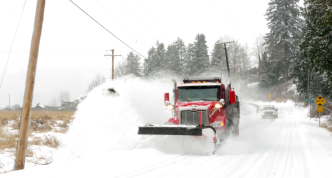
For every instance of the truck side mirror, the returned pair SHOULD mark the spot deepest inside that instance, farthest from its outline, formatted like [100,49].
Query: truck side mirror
[222,101]
[276,109]
[166,99]
[232,97]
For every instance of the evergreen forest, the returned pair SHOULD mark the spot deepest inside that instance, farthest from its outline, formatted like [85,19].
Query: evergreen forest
[297,49]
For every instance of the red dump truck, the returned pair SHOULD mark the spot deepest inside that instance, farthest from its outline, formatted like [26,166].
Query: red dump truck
[199,103]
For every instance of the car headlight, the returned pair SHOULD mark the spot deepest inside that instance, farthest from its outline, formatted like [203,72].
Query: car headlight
[218,106]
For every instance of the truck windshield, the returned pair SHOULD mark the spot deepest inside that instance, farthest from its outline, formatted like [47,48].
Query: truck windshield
[199,93]
[269,108]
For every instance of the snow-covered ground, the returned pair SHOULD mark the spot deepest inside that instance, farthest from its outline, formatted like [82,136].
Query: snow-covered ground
[103,141]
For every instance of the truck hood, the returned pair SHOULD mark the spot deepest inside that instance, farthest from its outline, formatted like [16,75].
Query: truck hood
[268,110]
[196,104]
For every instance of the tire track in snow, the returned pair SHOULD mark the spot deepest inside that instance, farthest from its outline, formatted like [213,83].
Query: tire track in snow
[158,166]
[249,163]
[286,161]
[265,148]
[267,152]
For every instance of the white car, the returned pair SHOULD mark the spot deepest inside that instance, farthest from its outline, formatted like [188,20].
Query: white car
[269,112]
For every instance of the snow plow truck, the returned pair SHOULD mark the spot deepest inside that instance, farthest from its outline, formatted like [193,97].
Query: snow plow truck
[199,103]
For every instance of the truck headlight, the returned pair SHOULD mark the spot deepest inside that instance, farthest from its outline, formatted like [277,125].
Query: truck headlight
[273,113]
[263,114]
[218,124]
[170,107]
[218,105]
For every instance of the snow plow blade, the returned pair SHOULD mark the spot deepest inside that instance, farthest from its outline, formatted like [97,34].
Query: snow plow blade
[169,130]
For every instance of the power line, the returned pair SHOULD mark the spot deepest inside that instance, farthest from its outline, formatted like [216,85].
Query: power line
[108,30]
[11,47]
[79,51]
[121,23]
[58,69]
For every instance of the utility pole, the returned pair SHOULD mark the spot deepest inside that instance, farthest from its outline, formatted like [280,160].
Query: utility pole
[309,97]
[29,86]
[229,76]
[112,61]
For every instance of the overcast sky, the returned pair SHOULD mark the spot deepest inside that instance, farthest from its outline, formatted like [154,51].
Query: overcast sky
[73,46]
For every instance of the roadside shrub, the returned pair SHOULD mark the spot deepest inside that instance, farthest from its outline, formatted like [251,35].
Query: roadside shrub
[51,141]
[8,140]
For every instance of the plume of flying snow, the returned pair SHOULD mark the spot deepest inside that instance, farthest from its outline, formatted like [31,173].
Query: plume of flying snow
[108,120]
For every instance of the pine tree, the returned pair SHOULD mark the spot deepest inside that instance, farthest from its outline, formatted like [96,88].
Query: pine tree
[258,51]
[282,41]
[148,62]
[198,57]
[218,58]
[186,70]
[182,52]
[133,64]
[159,62]
[172,60]
[317,45]
[268,72]
[156,60]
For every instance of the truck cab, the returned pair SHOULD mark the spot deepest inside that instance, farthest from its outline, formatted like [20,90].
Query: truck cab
[207,102]
[199,103]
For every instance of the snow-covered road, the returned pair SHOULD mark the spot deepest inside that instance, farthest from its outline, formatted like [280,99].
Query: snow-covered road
[106,144]
[290,146]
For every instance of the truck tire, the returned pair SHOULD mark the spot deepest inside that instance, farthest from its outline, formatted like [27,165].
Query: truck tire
[236,121]
[229,128]
[236,130]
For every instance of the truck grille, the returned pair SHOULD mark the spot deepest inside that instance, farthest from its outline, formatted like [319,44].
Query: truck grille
[268,114]
[192,118]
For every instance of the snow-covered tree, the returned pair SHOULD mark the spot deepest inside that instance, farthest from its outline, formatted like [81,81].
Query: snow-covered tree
[182,52]
[159,57]
[121,69]
[258,50]
[282,41]
[172,61]
[316,47]
[218,58]
[148,65]
[133,64]
[197,56]
[245,62]
[156,60]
